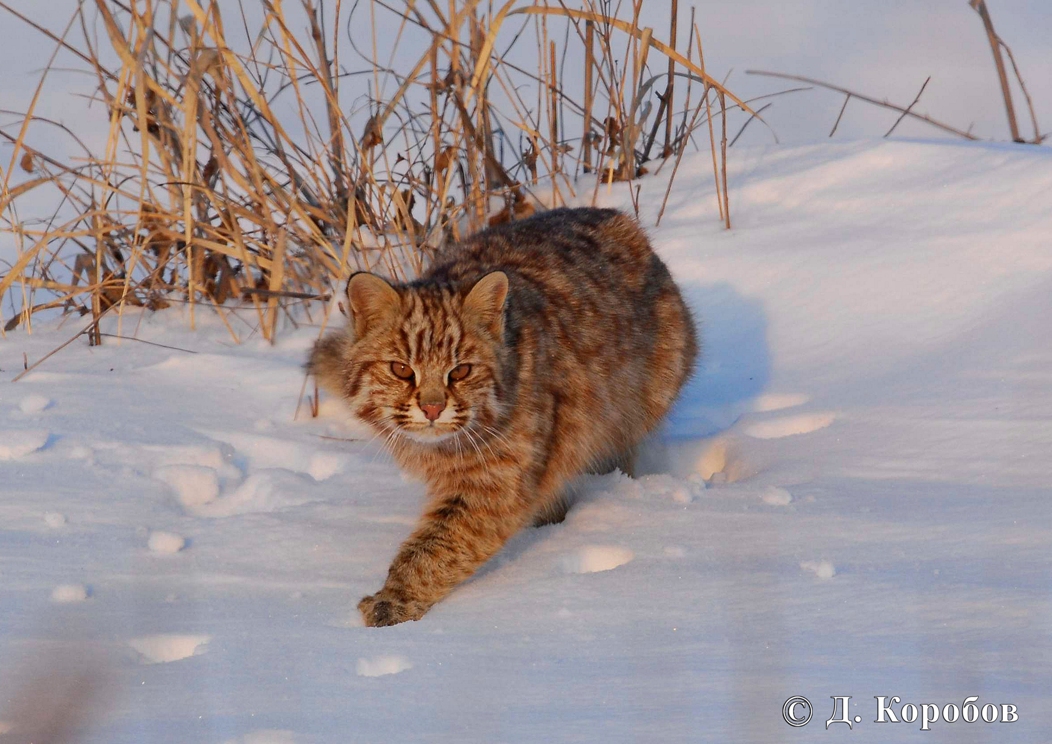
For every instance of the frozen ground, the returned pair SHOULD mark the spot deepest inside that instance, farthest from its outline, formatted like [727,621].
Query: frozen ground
[852,499]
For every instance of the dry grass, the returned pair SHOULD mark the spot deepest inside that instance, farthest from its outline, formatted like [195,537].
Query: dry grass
[252,164]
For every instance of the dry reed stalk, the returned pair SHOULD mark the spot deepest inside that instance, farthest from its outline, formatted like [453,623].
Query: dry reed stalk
[679,159]
[636,32]
[1002,75]
[276,282]
[996,45]
[1038,137]
[712,135]
[723,161]
[632,126]
[553,109]
[684,129]
[665,99]
[589,63]
[668,97]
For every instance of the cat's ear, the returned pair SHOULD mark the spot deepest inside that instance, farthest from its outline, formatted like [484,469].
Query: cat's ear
[371,300]
[486,299]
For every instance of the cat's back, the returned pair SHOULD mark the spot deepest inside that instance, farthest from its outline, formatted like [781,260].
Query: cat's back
[586,260]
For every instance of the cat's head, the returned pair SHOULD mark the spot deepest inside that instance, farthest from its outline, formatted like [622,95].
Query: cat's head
[420,361]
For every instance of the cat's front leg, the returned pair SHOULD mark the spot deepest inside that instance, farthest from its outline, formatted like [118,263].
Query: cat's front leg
[454,538]
[388,607]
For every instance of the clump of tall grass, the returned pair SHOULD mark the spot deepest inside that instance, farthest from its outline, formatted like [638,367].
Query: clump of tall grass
[255,159]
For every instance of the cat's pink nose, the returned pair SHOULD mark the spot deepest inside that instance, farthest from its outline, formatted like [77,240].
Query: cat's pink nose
[432,410]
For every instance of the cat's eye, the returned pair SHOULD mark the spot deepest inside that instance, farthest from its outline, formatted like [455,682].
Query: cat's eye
[459,372]
[401,371]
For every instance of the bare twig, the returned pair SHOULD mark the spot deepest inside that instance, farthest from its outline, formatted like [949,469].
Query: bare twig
[747,122]
[867,99]
[144,341]
[89,328]
[840,115]
[908,108]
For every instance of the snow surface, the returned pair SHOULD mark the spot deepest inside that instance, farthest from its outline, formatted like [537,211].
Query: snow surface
[382,665]
[67,593]
[167,647]
[165,542]
[852,498]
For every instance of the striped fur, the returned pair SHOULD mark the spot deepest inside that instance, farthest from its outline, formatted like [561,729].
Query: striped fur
[570,369]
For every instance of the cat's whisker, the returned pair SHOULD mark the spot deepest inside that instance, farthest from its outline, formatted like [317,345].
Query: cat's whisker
[500,436]
[489,445]
[389,441]
[376,434]
[482,458]
[385,448]
[380,450]
[493,432]
[489,448]
[456,444]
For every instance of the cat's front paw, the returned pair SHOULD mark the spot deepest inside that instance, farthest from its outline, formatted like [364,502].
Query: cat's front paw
[386,608]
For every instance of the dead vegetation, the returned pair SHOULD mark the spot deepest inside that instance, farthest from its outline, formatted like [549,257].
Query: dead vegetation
[254,160]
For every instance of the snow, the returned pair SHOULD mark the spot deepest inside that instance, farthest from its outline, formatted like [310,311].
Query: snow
[54,520]
[34,404]
[265,736]
[382,665]
[164,648]
[194,485]
[17,443]
[69,593]
[595,558]
[166,543]
[852,497]
[776,496]
[821,569]
[787,426]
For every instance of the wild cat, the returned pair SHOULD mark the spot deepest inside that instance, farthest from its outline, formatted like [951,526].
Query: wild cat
[525,356]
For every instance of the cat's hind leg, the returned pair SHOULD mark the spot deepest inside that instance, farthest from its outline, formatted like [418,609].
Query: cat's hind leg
[554,511]
[625,461]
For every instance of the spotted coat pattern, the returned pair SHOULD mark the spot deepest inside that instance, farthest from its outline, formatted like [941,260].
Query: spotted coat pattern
[576,341]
